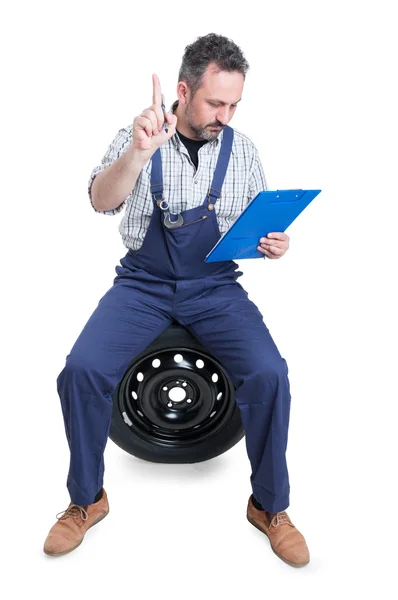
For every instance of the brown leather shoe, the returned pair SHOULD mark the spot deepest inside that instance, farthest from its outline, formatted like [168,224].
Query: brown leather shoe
[68,533]
[286,541]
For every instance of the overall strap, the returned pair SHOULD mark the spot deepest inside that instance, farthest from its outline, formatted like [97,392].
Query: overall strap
[157,177]
[214,192]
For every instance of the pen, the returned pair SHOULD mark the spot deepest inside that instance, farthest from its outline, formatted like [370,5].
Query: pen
[164,114]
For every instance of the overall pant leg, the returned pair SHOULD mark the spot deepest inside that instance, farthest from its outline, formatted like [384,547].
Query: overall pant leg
[231,327]
[127,319]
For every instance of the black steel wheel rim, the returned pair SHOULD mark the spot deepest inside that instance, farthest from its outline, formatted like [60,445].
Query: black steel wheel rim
[175,397]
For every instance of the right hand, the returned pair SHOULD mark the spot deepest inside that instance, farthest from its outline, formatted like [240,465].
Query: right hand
[148,131]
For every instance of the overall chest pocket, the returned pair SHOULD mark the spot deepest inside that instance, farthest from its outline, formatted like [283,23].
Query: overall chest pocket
[186,236]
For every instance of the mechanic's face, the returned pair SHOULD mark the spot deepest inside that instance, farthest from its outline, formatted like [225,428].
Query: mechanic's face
[213,105]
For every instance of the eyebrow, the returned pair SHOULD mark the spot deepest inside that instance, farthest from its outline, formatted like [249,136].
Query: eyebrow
[221,102]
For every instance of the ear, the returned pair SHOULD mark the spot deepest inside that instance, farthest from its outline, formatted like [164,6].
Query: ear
[182,92]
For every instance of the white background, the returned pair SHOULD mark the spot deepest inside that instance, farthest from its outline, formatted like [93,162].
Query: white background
[320,104]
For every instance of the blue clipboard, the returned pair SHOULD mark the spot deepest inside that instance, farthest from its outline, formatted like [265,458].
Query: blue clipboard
[268,211]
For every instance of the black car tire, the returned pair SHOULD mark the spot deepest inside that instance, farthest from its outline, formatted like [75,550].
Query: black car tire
[148,424]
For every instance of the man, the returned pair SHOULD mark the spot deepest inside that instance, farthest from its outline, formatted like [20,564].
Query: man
[182,189]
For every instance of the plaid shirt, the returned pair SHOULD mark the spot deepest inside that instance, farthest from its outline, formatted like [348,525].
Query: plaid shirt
[184,187]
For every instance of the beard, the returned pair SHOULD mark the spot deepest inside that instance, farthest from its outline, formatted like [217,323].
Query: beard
[203,132]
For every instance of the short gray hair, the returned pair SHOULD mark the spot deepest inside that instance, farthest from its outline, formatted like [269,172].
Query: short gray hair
[211,48]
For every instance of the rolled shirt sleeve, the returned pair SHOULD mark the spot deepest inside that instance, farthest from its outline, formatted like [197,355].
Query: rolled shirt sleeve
[116,148]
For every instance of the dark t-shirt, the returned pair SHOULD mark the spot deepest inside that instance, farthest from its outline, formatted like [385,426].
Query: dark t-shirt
[192,146]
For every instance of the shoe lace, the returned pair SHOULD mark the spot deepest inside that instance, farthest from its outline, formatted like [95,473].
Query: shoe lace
[279,518]
[73,511]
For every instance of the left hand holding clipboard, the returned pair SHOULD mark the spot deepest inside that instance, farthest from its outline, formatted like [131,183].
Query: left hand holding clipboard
[274,245]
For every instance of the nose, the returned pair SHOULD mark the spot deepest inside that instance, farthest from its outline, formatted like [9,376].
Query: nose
[223,115]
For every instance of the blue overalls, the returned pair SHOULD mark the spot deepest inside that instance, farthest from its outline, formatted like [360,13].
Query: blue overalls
[165,280]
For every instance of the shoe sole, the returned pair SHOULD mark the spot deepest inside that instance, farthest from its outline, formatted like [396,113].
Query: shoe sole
[273,550]
[77,545]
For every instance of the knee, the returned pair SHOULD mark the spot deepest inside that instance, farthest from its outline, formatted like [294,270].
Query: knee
[76,365]
[270,373]
[80,369]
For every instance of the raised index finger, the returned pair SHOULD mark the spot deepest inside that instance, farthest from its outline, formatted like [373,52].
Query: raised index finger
[157,93]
